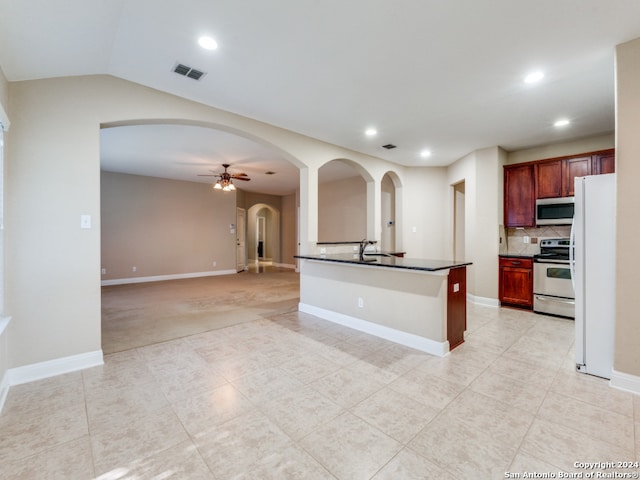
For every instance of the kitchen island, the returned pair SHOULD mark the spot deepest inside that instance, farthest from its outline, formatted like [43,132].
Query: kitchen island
[419,303]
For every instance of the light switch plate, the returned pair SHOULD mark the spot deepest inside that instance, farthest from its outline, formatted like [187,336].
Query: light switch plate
[85,221]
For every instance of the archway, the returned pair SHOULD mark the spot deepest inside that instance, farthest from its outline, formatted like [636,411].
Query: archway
[391,212]
[201,241]
[263,235]
[343,201]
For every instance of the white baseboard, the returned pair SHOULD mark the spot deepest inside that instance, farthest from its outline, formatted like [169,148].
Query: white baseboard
[423,344]
[4,389]
[161,278]
[625,381]
[51,368]
[486,301]
[4,323]
[4,360]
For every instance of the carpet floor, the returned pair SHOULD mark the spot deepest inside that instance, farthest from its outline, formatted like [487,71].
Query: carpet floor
[139,314]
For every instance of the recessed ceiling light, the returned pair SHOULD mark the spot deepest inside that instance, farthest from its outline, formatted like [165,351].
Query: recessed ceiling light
[561,123]
[534,77]
[370,132]
[207,43]
[425,153]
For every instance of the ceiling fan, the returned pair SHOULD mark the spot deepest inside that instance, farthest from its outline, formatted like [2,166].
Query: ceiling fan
[224,182]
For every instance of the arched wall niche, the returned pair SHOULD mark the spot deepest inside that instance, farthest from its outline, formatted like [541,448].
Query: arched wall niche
[343,201]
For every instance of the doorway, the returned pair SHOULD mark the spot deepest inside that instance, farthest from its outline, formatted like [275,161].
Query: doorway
[388,214]
[263,235]
[459,246]
[261,238]
[241,242]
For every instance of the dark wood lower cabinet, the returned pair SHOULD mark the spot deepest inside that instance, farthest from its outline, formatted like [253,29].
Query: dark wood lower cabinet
[516,282]
[456,306]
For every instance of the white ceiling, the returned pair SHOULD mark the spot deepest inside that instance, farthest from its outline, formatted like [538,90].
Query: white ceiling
[442,75]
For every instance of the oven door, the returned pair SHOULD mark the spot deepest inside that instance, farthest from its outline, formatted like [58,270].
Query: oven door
[552,288]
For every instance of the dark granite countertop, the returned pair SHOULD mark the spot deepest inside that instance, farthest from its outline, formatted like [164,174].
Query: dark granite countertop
[506,255]
[385,260]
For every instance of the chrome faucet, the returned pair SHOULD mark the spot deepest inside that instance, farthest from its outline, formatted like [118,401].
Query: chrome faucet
[363,244]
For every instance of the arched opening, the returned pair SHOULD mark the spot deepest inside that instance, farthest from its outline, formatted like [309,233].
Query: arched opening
[263,235]
[459,231]
[342,201]
[388,214]
[162,222]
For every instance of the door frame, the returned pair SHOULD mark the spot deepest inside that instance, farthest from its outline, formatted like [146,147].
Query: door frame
[241,239]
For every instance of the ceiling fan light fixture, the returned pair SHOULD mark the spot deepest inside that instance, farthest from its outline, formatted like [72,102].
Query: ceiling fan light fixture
[225,182]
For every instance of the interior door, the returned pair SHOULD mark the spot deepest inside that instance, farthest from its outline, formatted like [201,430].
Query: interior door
[241,239]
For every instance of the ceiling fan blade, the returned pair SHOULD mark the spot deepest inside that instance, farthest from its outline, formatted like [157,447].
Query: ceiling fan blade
[245,179]
[207,175]
[240,175]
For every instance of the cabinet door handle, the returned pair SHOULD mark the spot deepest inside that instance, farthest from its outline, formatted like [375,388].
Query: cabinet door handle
[516,263]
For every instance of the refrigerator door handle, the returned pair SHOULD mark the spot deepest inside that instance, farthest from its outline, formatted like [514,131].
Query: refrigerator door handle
[572,246]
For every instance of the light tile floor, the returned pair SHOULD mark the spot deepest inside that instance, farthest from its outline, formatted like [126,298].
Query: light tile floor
[296,397]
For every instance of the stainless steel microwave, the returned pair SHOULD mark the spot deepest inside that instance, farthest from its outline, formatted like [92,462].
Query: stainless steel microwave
[554,211]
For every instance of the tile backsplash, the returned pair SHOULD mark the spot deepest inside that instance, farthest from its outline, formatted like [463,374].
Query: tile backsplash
[515,238]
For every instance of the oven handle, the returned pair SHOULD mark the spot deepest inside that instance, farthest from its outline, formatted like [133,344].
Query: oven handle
[554,262]
[555,299]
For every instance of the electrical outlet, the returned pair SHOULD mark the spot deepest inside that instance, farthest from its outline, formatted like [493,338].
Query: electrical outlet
[360,302]
[134,269]
[104,271]
[323,251]
[215,263]
[526,239]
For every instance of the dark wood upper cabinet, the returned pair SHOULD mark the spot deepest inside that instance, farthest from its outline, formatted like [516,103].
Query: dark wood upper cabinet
[552,178]
[555,178]
[519,196]
[574,167]
[604,163]
[549,179]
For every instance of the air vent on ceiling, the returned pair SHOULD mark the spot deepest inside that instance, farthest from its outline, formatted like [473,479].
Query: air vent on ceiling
[187,71]
[389,146]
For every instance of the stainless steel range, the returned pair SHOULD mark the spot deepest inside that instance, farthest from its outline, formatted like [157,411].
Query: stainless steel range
[553,292]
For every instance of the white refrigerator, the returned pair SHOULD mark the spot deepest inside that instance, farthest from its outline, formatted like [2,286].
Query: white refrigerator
[593,241]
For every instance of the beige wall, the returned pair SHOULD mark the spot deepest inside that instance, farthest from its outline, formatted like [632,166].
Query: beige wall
[4,90]
[424,200]
[627,337]
[53,177]
[4,328]
[481,172]
[289,230]
[342,210]
[164,227]
[561,149]
[52,265]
